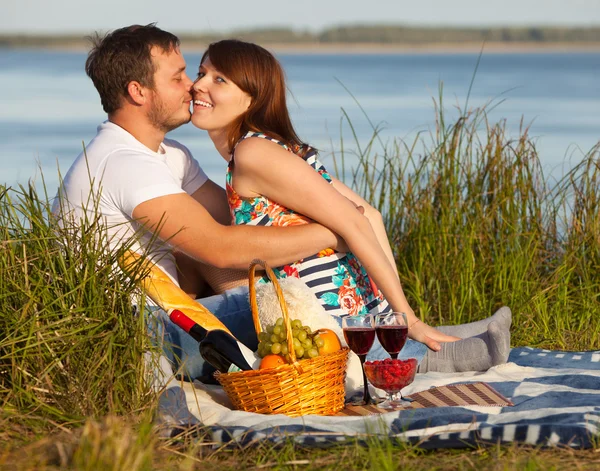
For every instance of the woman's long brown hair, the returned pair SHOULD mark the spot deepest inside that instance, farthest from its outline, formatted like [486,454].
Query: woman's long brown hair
[256,71]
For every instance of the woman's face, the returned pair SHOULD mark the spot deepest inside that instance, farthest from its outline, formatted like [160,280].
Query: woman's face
[217,100]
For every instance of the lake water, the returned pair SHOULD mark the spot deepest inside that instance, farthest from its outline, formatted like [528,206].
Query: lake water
[48,106]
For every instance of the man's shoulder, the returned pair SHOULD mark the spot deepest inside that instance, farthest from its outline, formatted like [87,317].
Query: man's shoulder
[111,138]
[109,144]
[172,144]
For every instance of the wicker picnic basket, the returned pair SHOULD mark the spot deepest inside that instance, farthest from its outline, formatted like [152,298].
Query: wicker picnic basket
[312,386]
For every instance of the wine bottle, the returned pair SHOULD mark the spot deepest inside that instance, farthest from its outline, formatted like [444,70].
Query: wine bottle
[219,348]
[187,324]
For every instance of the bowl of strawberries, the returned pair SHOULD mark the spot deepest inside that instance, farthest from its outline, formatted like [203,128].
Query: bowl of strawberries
[392,376]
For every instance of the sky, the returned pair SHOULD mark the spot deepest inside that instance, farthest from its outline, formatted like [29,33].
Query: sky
[198,16]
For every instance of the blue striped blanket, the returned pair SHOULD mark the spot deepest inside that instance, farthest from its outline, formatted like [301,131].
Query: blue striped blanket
[556,398]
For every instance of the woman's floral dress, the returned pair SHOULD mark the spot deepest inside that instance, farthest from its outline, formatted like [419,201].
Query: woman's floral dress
[337,279]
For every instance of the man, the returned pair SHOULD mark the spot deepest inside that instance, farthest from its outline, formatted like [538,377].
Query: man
[147,186]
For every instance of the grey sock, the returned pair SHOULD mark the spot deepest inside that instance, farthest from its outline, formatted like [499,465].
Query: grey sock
[503,316]
[477,353]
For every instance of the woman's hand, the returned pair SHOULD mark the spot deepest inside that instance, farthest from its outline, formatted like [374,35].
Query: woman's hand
[428,335]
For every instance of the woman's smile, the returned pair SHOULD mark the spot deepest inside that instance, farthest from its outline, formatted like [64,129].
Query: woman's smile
[202,104]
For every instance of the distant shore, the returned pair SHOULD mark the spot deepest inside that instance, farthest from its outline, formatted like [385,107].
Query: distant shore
[367,39]
[431,48]
[366,48]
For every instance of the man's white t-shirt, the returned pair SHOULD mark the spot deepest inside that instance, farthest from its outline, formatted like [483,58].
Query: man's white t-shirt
[116,173]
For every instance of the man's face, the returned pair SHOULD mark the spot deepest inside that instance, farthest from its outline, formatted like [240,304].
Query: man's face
[169,106]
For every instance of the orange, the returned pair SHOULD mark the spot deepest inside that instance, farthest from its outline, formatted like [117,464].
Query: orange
[271,361]
[332,341]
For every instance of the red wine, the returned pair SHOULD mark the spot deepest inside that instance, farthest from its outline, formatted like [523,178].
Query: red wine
[360,339]
[219,348]
[392,337]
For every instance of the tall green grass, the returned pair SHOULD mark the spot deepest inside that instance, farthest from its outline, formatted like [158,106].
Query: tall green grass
[70,344]
[474,224]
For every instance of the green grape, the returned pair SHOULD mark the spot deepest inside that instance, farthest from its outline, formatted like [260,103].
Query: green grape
[277,329]
[282,336]
[279,321]
[307,329]
[302,335]
[312,353]
[319,342]
[274,338]
[288,358]
[263,336]
[295,332]
[270,329]
[284,349]
[296,323]
[297,343]
[268,346]
[276,348]
[307,344]
[299,352]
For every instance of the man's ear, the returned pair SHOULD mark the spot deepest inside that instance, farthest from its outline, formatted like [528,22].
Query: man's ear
[137,92]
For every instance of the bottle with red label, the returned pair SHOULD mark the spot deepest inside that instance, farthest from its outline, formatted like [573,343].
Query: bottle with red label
[219,348]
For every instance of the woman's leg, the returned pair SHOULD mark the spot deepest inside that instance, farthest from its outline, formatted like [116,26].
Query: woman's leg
[477,353]
[484,344]
[503,316]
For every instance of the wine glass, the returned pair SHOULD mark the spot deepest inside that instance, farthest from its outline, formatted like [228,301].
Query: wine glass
[392,331]
[392,376]
[359,332]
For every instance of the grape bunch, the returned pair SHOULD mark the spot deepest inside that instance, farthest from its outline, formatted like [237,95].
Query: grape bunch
[274,340]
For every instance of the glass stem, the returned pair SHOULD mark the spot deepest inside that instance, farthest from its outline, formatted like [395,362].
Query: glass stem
[366,395]
[394,355]
[396,397]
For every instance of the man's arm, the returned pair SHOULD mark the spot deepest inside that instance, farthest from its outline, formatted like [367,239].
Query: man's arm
[214,199]
[187,225]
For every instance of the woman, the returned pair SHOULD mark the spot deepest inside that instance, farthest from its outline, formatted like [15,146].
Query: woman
[274,178]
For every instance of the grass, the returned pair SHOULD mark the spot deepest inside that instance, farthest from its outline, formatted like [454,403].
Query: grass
[474,225]
[114,444]
[70,346]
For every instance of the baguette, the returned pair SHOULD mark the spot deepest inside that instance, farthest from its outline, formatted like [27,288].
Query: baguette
[161,289]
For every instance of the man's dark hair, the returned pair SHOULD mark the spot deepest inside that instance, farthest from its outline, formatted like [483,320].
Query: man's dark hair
[123,56]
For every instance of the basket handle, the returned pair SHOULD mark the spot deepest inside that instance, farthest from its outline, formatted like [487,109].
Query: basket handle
[254,305]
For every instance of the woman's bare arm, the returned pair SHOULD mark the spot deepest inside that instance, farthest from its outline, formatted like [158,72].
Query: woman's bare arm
[265,168]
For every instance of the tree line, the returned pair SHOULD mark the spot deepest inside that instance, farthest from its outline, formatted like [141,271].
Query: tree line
[357,34]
